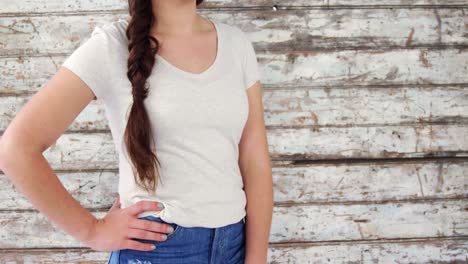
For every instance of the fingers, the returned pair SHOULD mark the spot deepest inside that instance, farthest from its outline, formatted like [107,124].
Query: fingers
[116,203]
[146,235]
[136,245]
[151,226]
[142,206]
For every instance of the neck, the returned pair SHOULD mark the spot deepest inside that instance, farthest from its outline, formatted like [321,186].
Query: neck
[175,18]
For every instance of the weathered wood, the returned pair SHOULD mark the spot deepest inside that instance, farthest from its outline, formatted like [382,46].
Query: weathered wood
[93,190]
[295,223]
[369,182]
[389,2]
[97,150]
[285,30]
[364,67]
[344,79]
[62,256]
[413,251]
[372,106]
[368,142]
[315,183]
[46,6]
[298,223]
[290,70]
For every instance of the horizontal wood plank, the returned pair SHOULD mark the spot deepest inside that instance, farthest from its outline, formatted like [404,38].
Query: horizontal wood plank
[93,190]
[311,184]
[49,256]
[290,70]
[368,142]
[296,223]
[370,106]
[389,2]
[97,150]
[412,251]
[304,30]
[75,151]
[45,6]
[369,182]
[300,223]
[302,106]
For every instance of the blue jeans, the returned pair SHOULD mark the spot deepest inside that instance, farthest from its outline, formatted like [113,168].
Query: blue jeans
[194,245]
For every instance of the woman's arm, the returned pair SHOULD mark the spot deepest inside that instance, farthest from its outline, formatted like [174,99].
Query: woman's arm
[37,126]
[255,165]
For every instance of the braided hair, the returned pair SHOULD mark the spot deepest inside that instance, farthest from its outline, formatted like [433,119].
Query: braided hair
[138,136]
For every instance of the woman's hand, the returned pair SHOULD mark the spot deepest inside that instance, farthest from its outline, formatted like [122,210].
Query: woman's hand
[116,230]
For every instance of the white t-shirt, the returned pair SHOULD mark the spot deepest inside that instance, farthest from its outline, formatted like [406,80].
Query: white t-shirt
[197,119]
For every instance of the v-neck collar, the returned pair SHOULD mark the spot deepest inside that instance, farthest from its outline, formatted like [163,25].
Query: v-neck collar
[210,69]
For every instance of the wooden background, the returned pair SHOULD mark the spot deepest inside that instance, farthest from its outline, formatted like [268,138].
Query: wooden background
[366,105]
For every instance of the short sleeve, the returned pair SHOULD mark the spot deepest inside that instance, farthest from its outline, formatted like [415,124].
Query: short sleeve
[91,61]
[250,64]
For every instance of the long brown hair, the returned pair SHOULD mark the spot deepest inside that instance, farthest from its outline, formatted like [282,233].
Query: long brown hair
[138,136]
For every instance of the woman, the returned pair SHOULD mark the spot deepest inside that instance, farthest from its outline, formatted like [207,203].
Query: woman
[183,100]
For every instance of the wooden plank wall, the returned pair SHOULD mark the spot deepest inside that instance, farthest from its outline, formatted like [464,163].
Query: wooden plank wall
[366,104]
